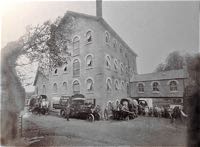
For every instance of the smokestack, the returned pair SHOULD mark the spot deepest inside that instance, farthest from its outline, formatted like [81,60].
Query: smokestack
[99,8]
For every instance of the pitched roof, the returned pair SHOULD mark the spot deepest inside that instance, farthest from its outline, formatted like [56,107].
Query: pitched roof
[104,24]
[45,74]
[172,74]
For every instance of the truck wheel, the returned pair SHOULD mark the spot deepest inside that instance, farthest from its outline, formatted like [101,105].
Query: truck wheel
[91,117]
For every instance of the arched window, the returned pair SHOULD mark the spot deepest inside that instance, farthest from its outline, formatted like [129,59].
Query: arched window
[43,89]
[155,86]
[108,61]
[116,85]
[126,69]
[56,71]
[108,85]
[122,68]
[173,86]
[65,68]
[122,85]
[107,38]
[76,68]
[76,43]
[141,87]
[115,64]
[55,88]
[64,87]
[76,87]
[89,36]
[89,62]
[90,84]
[114,43]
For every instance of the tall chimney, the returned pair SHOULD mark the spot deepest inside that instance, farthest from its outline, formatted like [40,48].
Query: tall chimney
[99,8]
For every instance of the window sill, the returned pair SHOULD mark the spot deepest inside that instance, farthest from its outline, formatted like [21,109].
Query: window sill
[173,91]
[87,43]
[141,92]
[156,92]
[90,92]
[55,74]
[65,72]
[88,68]
[76,76]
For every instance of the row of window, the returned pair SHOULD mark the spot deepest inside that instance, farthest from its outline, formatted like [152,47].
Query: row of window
[173,86]
[76,65]
[118,66]
[89,86]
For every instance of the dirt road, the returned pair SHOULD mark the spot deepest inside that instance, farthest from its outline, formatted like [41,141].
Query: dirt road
[142,131]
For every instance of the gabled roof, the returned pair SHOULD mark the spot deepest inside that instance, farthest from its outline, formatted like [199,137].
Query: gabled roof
[39,73]
[172,74]
[104,24]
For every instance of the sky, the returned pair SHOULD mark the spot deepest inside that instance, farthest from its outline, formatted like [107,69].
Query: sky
[151,29]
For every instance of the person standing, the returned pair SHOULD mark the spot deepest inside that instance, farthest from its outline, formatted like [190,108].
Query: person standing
[67,111]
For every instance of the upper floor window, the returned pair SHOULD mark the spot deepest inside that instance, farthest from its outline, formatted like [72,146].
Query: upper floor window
[108,61]
[55,71]
[114,43]
[122,68]
[108,85]
[76,42]
[116,85]
[76,68]
[89,36]
[155,86]
[120,48]
[90,85]
[89,61]
[123,86]
[76,87]
[55,88]
[115,64]
[173,86]
[141,87]
[126,69]
[107,37]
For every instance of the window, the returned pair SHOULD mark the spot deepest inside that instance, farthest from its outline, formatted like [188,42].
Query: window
[56,71]
[126,69]
[90,85]
[107,38]
[44,89]
[141,87]
[89,36]
[120,48]
[76,87]
[108,60]
[173,86]
[76,43]
[122,85]
[76,68]
[116,85]
[55,88]
[89,61]
[114,43]
[108,85]
[155,86]
[64,86]
[122,68]
[65,69]
[115,64]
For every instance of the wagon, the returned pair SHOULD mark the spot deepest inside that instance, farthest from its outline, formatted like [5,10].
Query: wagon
[127,109]
[84,108]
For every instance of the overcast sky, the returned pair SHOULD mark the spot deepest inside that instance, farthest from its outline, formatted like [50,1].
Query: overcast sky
[151,29]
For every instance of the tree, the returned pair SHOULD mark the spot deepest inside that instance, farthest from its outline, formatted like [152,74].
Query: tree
[174,61]
[45,44]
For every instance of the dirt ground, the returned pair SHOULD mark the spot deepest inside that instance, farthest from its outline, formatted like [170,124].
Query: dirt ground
[142,131]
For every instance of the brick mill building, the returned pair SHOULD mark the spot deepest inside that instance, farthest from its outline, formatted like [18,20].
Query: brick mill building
[101,63]
[103,66]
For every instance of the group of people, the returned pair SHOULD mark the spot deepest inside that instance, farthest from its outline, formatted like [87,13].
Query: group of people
[39,105]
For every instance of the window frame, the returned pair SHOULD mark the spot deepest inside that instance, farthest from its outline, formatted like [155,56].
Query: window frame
[176,86]
[92,84]
[139,88]
[110,87]
[77,82]
[78,70]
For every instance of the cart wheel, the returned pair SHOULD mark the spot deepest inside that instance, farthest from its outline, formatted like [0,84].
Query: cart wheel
[91,117]
[62,113]
[97,116]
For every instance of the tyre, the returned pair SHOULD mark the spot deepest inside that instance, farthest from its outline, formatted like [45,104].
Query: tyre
[90,117]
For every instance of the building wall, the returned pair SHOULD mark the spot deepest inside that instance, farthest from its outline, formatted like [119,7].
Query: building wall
[164,89]
[98,73]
